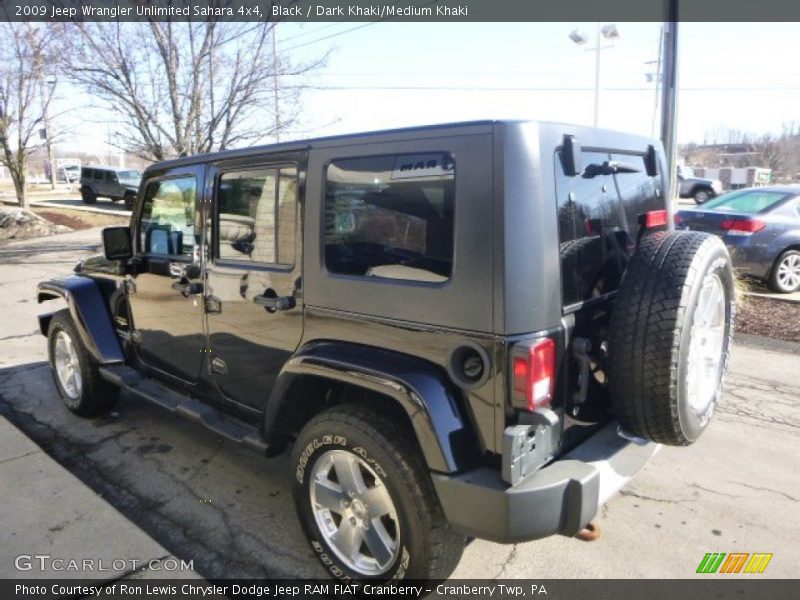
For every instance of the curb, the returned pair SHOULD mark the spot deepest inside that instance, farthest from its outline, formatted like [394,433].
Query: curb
[766,343]
[793,298]
[51,204]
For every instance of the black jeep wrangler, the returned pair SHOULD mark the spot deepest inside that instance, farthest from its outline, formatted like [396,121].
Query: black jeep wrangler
[479,329]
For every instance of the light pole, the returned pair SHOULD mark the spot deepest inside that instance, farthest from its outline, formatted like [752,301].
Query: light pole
[607,31]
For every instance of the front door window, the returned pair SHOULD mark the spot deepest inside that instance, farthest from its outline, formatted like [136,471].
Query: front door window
[167,220]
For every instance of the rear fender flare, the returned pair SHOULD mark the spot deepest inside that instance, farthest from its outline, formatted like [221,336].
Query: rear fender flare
[416,385]
[89,311]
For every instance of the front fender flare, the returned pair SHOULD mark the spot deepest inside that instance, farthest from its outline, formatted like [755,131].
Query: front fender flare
[416,385]
[90,313]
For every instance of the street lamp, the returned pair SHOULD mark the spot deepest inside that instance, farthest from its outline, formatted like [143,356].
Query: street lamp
[608,31]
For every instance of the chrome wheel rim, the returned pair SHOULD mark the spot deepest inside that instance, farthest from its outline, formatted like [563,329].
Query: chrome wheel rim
[789,272]
[67,366]
[706,345]
[354,512]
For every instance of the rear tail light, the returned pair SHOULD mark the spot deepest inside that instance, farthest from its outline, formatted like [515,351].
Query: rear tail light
[534,368]
[653,218]
[677,218]
[742,226]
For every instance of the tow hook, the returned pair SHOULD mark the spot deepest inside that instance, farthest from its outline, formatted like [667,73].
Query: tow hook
[589,533]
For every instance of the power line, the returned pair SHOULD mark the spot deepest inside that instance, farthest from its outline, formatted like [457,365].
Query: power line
[313,31]
[458,88]
[333,35]
[362,26]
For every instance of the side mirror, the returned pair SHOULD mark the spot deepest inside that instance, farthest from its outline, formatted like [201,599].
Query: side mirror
[117,243]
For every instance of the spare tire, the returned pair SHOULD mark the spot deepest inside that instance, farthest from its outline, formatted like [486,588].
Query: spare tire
[670,335]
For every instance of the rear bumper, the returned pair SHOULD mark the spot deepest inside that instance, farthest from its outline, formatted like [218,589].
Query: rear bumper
[560,498]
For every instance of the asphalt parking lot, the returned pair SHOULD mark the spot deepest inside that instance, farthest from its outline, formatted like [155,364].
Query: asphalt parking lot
[230,510]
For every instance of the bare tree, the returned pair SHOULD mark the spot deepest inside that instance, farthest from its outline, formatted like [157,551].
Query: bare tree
[25,54]
[186,87]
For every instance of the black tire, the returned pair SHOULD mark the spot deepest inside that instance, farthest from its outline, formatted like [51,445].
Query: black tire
[129,199]
[96,395]
[780,284]
[427,546]
[651,330]
[702,195]
[88,196]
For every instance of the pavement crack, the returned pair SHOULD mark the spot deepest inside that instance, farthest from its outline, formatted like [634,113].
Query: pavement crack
[650,498]
[6,460]
[507,562]
[710,491]
[19,336]
[765,489]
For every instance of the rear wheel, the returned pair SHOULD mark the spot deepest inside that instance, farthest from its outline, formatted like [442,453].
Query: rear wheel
[670,334]
[75,371]
[785,275]
[702,195]
[366,501]
[88,196]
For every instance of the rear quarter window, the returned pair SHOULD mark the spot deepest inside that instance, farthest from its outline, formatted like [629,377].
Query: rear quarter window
[390,217]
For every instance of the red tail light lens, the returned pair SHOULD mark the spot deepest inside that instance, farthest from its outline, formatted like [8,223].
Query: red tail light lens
[742,226]
[655,218]
[677,218]
[534,367]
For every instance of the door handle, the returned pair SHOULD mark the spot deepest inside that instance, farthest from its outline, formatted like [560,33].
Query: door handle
[188,288]
[274,302]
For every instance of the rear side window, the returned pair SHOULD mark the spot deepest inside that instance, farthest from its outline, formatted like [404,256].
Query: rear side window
[748,201]
[391,217]
[98,175]
[257,216]
[87,173]
[597,221]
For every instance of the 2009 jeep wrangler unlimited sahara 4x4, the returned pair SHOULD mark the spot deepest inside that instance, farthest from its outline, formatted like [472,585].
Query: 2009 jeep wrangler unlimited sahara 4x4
[479,329]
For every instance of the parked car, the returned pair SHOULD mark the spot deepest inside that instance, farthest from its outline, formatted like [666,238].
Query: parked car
[760,226]
[114,183]
[462,330]
[698,188]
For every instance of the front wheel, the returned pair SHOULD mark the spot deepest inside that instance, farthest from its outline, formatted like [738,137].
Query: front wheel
[366,501]
[129,198]
[75,371]
[785,275]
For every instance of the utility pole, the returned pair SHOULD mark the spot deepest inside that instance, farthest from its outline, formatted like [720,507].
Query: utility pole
[51,158]
[657,78]
[669,94]
[275,83]
[597,76]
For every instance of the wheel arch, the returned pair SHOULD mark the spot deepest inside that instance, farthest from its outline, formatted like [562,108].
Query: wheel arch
[412,390]
[89,310]
[783,246]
